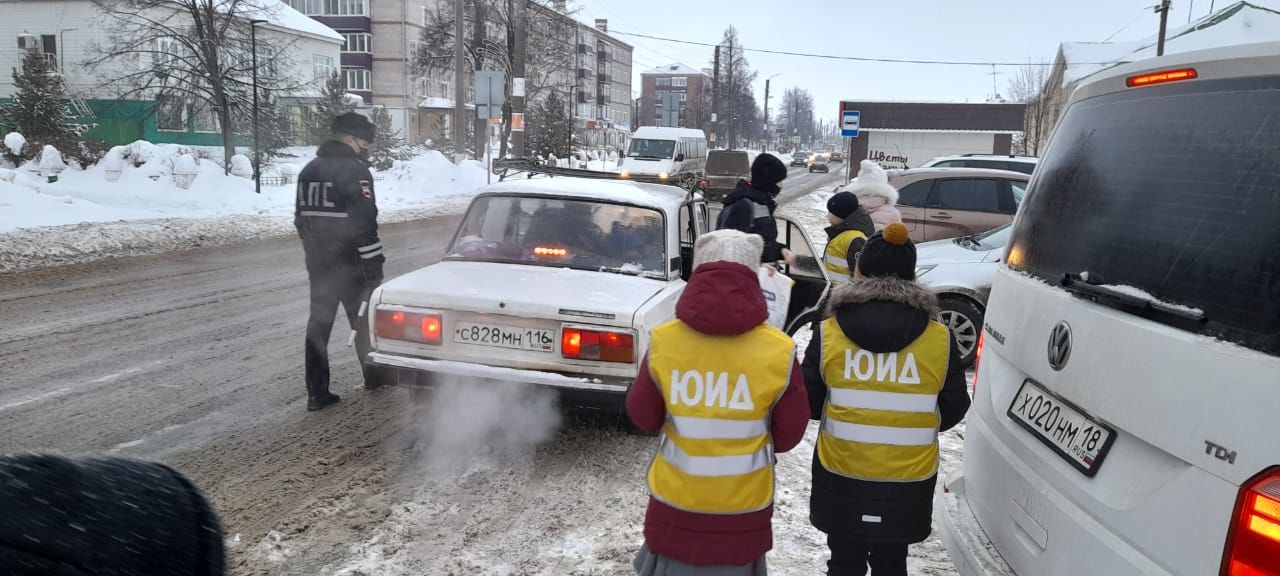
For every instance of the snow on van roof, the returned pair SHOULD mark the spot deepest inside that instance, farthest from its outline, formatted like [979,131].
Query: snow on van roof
[651,131]
[668,198]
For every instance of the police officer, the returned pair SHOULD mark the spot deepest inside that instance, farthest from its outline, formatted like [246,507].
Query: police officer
[725,391]
[750,207]
[885,377]
[337,219]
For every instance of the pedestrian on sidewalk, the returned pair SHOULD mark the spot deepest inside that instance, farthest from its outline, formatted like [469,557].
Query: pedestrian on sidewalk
[750,207]
[337,219]
[726,393]
[884,377]
[875,194]
[103,516]
[850,227]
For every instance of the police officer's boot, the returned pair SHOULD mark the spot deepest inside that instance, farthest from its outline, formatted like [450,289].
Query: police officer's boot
[320,402]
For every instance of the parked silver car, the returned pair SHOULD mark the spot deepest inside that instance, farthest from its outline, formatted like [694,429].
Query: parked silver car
[960,272]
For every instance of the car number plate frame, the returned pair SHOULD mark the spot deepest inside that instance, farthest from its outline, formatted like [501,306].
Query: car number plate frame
[1075,435]
[508,337]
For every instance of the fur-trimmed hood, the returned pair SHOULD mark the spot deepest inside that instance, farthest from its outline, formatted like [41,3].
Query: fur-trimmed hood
[882,314]
[874,190]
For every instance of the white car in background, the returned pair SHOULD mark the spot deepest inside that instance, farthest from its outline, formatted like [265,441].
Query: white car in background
[1023,164]
[960,271]
[552,282]
[1125,404]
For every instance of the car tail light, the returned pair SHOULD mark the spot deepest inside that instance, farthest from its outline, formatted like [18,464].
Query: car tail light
[1253,543]
[977,362]
[409,326]
[1161,77]
[704,184]
[582,344]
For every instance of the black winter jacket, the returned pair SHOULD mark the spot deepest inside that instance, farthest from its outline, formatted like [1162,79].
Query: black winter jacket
[880,315]
[749,210]
[337,213]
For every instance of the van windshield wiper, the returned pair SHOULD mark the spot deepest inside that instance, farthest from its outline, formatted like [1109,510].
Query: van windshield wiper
[1077,284]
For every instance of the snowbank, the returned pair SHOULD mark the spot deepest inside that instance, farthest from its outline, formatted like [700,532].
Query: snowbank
[15,143]
[65,222]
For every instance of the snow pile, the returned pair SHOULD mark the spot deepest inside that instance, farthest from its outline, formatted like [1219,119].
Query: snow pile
[15,143]
[51,160]
[241,166]
[134,190]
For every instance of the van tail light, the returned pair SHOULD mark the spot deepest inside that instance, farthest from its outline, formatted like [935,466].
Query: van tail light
[1253,543]
[977,362]
[409,326]
[582,344]
[704,184]
[1161,77]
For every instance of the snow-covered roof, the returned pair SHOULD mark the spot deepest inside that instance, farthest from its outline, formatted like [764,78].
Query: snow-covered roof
[668,198]
[677,69]
[1238,23]
[279,14]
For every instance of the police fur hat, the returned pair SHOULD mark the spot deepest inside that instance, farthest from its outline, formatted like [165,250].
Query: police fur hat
[728,245]
[354,124]
[84,516]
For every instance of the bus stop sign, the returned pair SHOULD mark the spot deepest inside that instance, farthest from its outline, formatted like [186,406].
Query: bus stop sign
[850,121]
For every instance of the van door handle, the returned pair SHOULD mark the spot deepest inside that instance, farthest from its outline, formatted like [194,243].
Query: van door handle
[941,215]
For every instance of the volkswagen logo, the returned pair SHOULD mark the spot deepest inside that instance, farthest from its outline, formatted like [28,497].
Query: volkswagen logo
[1059,346]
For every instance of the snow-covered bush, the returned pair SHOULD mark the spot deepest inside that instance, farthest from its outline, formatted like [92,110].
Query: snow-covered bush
[51,161]
[113,163]
[185,169]
[14,142]
[241,166]
[140,152]
[288,171]
[7,175]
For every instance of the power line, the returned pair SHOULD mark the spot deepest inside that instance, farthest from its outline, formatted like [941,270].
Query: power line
[852,58]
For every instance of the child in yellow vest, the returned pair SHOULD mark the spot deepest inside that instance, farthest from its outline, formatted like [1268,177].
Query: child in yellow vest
[885,377]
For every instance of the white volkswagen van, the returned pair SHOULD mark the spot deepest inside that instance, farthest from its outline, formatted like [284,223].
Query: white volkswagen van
[1125,417]
[658,151]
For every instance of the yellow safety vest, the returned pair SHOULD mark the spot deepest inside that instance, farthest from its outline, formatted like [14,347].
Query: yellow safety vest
[715,455]
[837,255]
[881,418]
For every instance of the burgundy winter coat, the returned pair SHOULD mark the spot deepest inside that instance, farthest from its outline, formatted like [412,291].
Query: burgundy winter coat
[722,298]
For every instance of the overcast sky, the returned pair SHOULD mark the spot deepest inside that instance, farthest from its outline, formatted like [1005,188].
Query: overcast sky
[970,30]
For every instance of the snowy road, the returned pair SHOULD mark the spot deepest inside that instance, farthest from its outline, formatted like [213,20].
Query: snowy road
[194,359]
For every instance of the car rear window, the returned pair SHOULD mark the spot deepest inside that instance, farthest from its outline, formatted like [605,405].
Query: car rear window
[728,164]
[540,231]
[1174,190]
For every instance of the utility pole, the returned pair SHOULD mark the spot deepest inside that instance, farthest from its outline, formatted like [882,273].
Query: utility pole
[257,156]
[517,92]
[766,115]
[1163,9]
[459,85]
[715,99]
[732,107]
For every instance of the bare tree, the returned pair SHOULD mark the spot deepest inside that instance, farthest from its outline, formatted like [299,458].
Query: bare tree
[797,114]
[549,53]
[190,51]
[738,105]
[1030,85]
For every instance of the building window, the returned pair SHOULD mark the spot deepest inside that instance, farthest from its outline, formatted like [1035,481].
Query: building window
[426,15]
[357,42]
[357,79]
[321,66]
[664,82]
[413,49]
[171,114]
[352,8]
[680,81]
[204,119]
[683,96]
[331,7]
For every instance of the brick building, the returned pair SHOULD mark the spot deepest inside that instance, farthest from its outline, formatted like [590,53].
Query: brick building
[676,96]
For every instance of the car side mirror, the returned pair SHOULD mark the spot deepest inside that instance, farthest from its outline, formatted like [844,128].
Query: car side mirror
[679,157]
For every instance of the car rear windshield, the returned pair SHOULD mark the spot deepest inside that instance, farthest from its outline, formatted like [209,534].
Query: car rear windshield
[1174,190]
[728,164]
[563,233]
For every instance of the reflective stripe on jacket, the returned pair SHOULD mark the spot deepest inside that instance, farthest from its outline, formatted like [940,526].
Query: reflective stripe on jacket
[837,255]
[881,420]
[715,455]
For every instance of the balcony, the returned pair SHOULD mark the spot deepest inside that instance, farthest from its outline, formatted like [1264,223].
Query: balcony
[603,78]
[583,97]
[584,49]
[602,100]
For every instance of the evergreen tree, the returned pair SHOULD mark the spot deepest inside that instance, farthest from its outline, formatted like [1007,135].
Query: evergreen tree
[39,109]
[388,146]
[274,130]
[549,129]
[333,101]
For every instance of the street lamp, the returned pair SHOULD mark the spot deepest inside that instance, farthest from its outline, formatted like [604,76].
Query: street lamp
[766,110]
[257,157]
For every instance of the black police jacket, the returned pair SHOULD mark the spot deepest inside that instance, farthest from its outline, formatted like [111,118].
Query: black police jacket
[337,213]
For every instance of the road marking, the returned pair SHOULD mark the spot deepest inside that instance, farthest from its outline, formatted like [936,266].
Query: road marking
[32,399]
[116,376]
[139,441]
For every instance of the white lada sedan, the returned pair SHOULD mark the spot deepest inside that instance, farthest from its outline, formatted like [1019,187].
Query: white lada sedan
[553,282]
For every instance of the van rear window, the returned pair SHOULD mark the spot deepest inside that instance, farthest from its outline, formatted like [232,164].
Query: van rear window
[1174,190]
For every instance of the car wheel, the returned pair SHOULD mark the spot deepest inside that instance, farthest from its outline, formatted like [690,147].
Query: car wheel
[964,318]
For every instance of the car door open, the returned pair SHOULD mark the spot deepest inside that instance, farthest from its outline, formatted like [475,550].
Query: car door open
[811,278]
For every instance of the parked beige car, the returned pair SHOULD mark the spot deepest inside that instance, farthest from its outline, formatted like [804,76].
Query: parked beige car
[942,203]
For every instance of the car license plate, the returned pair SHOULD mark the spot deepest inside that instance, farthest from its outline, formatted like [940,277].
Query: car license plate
[1074,435]
[504,337]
